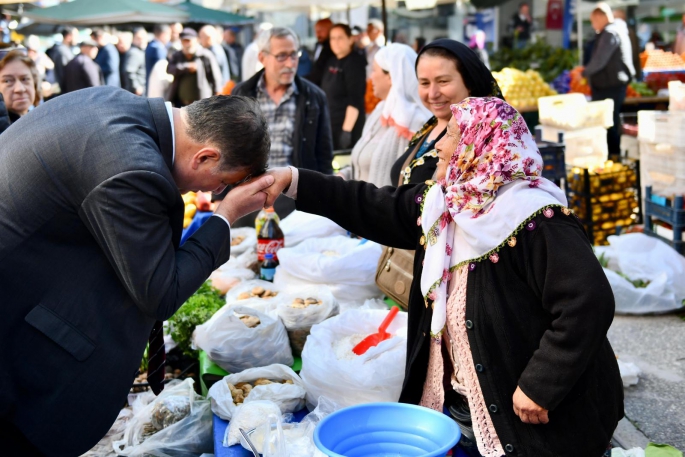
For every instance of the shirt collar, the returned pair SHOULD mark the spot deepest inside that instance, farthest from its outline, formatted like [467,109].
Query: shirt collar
[292,89]
[170,112]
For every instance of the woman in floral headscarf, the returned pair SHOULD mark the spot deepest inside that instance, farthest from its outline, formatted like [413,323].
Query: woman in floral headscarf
[508,321]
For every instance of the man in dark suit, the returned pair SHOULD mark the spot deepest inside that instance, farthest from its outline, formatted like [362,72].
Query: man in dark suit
[61,53]
[157,49]
[133,63]
[107,58]
[91,217]
[322,51]
[82,71]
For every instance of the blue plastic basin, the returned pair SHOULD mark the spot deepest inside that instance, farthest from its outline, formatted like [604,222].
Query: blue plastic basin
[386,430]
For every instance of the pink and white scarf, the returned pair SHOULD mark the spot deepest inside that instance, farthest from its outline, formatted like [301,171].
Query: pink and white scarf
[493,185]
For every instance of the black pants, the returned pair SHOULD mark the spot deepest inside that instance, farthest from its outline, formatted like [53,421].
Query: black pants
[618,95]
[13,443]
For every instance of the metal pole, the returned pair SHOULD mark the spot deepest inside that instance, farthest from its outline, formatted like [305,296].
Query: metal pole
[384,17]
[579,25]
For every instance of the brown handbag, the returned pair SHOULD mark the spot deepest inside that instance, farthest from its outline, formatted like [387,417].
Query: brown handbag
[395,274]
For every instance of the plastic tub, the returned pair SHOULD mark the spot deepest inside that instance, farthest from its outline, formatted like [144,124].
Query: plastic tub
[573,112]
[386,430]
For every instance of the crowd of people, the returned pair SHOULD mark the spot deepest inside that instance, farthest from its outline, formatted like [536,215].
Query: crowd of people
[499,333]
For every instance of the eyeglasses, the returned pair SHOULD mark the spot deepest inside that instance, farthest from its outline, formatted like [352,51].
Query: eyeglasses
[249,177]
[283,56]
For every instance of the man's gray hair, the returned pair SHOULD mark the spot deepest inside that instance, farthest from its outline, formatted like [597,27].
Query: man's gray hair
[265,36]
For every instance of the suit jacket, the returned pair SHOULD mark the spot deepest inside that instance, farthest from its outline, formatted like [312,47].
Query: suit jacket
[90,225]
[208,73]
[537,318]
[154,52]
[108,59]
[133,70]
[61,55]
[321,64]
[312,141]
[82,72]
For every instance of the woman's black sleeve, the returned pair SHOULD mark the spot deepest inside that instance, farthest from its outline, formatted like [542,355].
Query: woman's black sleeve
[355,83]
[387,215]
[563,270]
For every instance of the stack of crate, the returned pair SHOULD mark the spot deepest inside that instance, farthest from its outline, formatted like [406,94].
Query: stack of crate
[662,149]
[665,218]
[605,198]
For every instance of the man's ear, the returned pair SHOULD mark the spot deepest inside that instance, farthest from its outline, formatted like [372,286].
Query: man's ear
[261,56]
[206,156]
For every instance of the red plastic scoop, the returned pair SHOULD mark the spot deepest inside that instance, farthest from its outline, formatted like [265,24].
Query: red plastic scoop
[376,338]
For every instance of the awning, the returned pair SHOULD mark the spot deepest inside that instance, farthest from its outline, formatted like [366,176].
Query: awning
[202,15]
[99,12]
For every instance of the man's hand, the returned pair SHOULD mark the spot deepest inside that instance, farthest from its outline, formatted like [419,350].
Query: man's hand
[245,199]
[192,67]
[282,179]
[527,410]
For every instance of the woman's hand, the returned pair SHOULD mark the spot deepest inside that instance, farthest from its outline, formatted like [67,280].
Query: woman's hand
[527,410]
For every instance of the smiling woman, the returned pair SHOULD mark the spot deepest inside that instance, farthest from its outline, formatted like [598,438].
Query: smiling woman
[448,72]
[18,84]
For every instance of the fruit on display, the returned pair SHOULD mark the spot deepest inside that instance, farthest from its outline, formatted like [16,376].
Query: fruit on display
[659,80]
[548,60]
[637,89]
[194,202]
[562,83]
[661,60]
[578,82]
[522,88]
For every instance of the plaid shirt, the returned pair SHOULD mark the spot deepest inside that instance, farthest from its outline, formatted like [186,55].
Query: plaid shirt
[281,120]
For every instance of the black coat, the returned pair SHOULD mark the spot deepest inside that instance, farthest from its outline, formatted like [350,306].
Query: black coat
[537,319]
[61,55]
[132,70]
[312,145]
[321,63]
[82,72]
[422,172]
[4,116]
[90,226]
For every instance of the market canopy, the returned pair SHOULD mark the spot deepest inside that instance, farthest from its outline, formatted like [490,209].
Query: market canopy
[99,12]
[202,15]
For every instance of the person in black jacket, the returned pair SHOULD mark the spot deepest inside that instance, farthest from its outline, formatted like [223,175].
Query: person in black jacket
[610,69]
[509,308]
[322,51]
[61,53]
[82,71]
[344,83]
[295,109]
[107,58]
[4,117]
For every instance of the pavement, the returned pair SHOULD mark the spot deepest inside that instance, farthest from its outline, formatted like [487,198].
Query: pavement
[655,407]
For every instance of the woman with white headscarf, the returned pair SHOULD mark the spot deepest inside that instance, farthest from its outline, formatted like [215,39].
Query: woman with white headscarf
[392,123]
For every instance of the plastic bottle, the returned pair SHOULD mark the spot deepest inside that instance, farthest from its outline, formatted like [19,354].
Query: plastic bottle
[270,238]
[263,216]
[268,269]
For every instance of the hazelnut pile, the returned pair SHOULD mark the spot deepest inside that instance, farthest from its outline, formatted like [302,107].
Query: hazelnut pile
[250,321]
[241,390]
[257,292]
[302,303]
[236,240]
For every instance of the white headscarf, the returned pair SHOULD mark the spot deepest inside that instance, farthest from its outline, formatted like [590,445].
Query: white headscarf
[403,108]
[493,186]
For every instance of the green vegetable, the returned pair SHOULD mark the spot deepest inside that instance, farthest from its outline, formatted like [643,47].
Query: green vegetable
[547,60]
[637,283]
[195,311]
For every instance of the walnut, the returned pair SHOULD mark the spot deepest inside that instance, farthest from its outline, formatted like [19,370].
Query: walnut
[244,296]
[258,291]
[262,382]
[250,321]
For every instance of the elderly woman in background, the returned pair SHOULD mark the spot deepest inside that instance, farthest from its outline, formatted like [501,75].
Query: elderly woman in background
[392,123]
[19,82]
[509,308]
[448,72]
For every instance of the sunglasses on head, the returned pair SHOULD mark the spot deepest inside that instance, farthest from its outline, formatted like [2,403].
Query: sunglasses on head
[5,51]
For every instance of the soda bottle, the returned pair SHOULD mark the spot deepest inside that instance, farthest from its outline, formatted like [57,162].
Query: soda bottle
[263,216]
[270,238]
[268,269]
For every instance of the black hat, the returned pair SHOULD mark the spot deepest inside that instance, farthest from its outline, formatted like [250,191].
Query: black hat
[188,33]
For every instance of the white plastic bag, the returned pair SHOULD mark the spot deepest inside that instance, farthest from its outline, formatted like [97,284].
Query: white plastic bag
[640,257]
[630,373]
[346,265]
[189,436]
[299,318]
[249,416]
[248,243]
[288,397]
[375,376]
[263,305]
[235,347]
[299,226]
[634,452]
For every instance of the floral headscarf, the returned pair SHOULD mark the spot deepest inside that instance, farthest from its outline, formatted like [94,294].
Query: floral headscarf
[493,185]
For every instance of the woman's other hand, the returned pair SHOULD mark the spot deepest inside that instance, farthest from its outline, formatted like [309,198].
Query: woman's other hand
[282,180]
[527,410]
